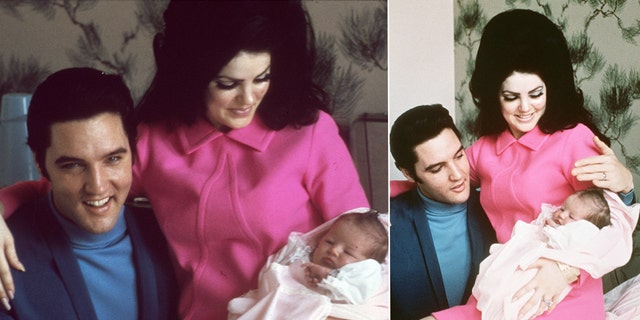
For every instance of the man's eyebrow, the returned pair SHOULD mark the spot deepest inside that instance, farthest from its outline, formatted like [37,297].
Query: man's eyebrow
[117,151]
[441,163]
[65,159]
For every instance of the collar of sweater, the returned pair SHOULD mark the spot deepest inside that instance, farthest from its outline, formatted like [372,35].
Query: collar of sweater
[83,239]
[440,209]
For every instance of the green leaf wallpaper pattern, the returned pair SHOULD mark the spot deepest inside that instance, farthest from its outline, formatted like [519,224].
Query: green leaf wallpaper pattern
[38,37]
[603,38]
[362,40]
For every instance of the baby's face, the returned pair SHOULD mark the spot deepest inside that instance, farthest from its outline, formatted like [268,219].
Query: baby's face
[344,243]
[571,210]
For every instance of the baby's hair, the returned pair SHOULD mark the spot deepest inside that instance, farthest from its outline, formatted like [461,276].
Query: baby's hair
[369,221]
[600,214]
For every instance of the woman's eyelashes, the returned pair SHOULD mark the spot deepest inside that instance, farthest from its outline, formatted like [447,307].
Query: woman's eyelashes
[264,78]
[533,95]
[224,84]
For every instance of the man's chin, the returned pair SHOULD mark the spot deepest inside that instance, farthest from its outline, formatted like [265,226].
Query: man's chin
[99,226]
[459,198]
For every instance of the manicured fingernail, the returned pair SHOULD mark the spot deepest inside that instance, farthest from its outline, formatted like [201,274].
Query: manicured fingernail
[10,294]
[6,304]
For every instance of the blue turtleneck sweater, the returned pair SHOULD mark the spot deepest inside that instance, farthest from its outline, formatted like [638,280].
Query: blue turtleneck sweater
[106,263]
[448,224]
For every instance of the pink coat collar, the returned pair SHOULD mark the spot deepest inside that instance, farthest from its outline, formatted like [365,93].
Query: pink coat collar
[256,135]
[533,140]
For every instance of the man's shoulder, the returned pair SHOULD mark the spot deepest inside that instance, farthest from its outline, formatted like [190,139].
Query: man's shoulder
[473,203]
[405,200]
[403,207]
[144,231]
[143,220]
[139,212]
[474,196]
[478,220]
[153,258]
[28,216]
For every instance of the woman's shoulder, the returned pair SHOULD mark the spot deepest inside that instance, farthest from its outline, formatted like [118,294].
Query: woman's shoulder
[481,143]
[325,120]
[146,129]
[578,133]
[484,140]
[156,136]
[324,125]
[170,129]
[582,130]
[577,141]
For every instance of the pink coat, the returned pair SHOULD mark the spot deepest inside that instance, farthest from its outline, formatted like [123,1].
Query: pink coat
[517,177]
[576,243]
[227,201]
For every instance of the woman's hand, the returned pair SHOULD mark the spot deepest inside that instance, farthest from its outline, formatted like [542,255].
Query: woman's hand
[8,258]
[605,170]
[548,285]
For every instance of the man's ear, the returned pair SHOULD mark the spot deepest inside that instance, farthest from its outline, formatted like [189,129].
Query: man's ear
[406,174]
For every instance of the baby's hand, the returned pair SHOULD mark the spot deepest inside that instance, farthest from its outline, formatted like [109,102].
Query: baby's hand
[314,273]
[550,222]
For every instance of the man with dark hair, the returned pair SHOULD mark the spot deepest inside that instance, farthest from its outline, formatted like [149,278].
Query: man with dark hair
[87,255]
[439,233]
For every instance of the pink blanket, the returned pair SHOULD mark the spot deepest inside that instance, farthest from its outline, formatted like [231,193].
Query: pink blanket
[282,295]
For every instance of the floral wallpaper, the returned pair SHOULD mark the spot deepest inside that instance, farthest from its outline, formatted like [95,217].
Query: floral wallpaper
[360,44]
[604,40]
[38,37]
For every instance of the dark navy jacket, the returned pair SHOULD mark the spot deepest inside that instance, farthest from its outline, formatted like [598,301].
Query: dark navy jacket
[417,288]
[53,286]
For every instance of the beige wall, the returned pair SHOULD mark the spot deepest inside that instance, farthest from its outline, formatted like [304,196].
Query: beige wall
[420,58]
[605,37]
[51,40]
[422,69]
[326,16]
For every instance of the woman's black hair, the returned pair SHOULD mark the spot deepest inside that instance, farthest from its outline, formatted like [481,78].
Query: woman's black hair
[528,42]
[201,37]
